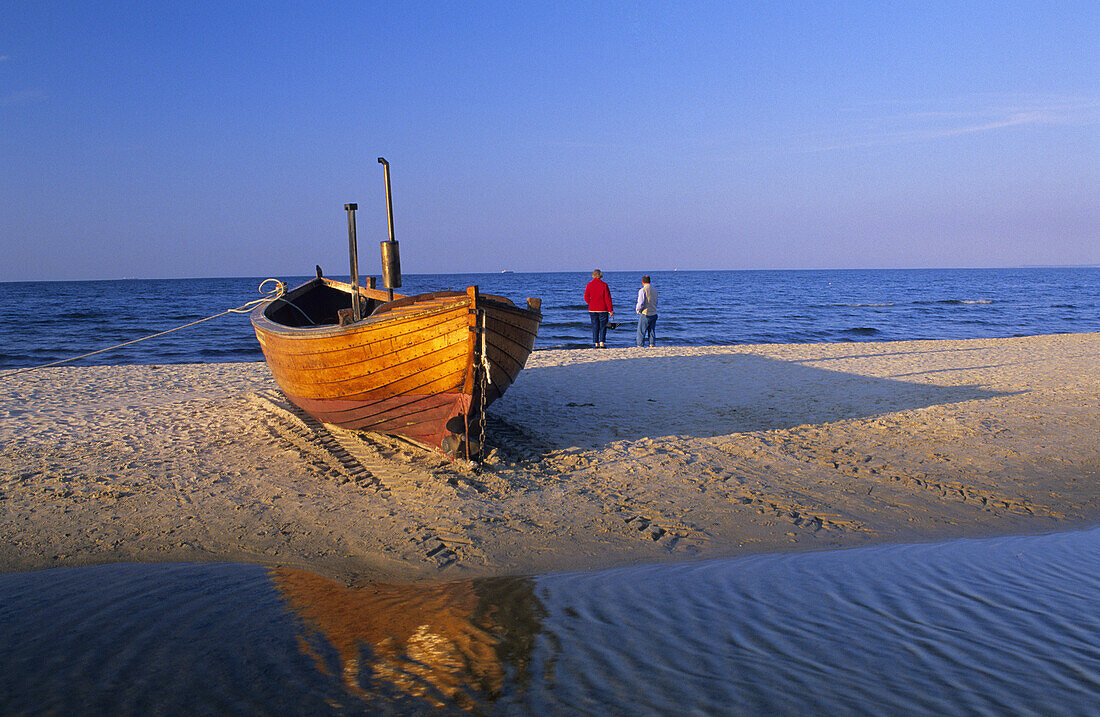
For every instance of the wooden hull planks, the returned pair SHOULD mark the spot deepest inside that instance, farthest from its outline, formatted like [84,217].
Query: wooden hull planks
[413,367]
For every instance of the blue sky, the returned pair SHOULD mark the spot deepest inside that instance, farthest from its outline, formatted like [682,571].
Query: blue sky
[146,139]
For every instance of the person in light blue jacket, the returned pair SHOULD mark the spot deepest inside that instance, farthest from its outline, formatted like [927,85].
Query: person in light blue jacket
[647,313]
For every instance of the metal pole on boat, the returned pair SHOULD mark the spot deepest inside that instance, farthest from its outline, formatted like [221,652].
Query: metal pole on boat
[356,312]
[391,258]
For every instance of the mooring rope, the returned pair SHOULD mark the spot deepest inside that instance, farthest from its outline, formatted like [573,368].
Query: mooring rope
[269,295]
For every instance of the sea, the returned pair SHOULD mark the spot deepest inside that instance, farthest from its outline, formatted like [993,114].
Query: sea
[50,321]
[994,626]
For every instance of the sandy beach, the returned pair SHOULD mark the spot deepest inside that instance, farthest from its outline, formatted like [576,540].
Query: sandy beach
[602,458]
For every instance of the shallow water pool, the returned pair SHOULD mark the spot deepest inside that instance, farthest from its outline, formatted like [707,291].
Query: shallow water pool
[997,626]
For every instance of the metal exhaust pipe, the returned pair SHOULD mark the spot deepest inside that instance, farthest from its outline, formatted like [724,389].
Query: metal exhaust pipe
[391,257]
[356,310]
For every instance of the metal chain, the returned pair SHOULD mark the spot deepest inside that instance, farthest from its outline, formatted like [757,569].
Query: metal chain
[486,379]
[481,419]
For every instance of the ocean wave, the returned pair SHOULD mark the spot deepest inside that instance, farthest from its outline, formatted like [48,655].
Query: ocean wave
[562,324]
[553,346]
[241,351]
[81,315]
[952,302]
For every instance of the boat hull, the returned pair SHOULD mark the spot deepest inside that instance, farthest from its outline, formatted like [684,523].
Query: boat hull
[421,367]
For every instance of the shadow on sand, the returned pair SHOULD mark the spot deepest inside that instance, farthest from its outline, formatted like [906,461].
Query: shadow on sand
[590,404]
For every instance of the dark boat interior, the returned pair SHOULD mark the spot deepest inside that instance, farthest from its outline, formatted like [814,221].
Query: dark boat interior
[319,306]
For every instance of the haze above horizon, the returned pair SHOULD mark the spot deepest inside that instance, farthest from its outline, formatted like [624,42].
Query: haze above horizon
[207,139]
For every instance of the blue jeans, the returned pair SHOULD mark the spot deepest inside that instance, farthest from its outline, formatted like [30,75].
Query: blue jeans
[599,326]
[647,326]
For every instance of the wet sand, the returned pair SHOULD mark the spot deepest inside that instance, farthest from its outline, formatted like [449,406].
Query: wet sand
[603,458]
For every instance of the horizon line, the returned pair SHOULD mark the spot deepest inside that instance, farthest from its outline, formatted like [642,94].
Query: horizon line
[579,271]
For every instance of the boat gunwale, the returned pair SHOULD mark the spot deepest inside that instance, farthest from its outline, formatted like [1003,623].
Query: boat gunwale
[261,322]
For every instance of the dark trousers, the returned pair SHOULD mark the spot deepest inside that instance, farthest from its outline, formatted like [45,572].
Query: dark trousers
[599,326]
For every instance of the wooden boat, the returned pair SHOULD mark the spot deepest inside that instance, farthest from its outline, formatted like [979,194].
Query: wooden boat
[422,367]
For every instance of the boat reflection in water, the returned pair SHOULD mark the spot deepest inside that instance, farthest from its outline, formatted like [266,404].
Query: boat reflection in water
[455,643]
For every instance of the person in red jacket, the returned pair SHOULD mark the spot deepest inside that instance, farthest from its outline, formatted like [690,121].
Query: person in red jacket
[598,297]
